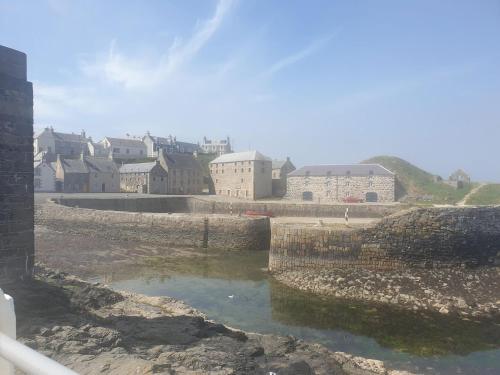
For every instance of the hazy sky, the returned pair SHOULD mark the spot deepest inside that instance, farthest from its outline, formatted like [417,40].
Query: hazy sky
[321,81]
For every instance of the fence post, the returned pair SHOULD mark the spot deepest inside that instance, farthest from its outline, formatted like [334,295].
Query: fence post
[7,327]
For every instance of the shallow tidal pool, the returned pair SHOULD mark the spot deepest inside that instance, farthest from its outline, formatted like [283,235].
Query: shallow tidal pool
[235,289]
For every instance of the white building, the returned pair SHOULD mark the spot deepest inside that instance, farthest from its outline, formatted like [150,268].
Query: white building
[124,149]
[44,175]
[216,147]
[64,144]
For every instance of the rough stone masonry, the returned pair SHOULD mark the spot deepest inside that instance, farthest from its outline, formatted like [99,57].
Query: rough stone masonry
[16,168]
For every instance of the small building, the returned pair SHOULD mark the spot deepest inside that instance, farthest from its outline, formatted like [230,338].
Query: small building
[185,173]
[87,175]
[64,144]
[72,176]
[458,179]
[216,147]
[155,145]
[281,168]
[342,183]
[124,148]
[104,176]
[246,175]
[146,178]
[44,175]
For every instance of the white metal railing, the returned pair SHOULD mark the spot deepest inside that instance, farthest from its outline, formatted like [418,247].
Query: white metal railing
[13,354]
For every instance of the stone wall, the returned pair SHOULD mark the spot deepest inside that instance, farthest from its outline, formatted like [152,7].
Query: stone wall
[425,237]
[211,206]
[337,188]
[202,231]
[16,167]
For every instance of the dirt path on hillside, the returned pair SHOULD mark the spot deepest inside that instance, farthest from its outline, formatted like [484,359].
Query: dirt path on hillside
[470,194]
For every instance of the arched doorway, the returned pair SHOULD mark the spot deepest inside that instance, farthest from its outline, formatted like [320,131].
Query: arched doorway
[371,197]
[307,196]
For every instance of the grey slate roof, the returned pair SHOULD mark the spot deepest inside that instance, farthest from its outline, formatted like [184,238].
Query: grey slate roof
[66,137]
[101,164]
[278,164]
[124,142]
[181,161]
[138,167]
[74,166]
[342,170]
[240,156]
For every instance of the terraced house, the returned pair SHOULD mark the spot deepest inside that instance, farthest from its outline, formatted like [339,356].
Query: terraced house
[245,175]
[54,143]
[350,183]
[146,178]
[185,173]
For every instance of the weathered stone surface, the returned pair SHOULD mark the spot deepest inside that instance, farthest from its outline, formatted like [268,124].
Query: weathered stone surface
[204,231]
[425,237]
[93,329]
[16,167]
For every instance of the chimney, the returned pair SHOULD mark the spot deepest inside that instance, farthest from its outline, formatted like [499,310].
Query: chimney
[83,134]
[288,158]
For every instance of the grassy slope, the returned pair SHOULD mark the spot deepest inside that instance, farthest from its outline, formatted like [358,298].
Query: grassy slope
[414,181]
[488,194]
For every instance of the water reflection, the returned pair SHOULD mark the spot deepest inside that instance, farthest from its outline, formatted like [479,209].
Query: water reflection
[234,288]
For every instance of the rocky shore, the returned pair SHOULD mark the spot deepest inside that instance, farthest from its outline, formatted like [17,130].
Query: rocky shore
[467,292]
[93,329]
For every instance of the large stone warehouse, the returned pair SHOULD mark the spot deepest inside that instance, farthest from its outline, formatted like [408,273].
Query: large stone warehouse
[342,183]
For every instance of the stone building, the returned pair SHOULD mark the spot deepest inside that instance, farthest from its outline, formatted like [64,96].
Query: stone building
[216,147]
[64,144]
[123,148]
[87,175]
[155,145]
[146,178]
[45,175]
[104,176]
[342,183]
[244,175]
[185,173]
[281,168]
[16,168]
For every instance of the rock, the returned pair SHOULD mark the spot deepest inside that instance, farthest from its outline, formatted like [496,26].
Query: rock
[443,310]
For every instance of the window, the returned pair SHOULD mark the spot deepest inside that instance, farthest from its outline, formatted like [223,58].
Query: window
[154,178]
[235,170]
[242,170]
[128,151]
[347,183]
[116,150]
[249,169]
[242,180]
[370,183]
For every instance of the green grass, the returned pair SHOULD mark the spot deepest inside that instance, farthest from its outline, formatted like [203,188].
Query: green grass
[415,182]
[488,194]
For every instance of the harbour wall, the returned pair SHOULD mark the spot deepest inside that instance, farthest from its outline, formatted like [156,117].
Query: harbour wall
[199,231]
[190,204]
[422,237]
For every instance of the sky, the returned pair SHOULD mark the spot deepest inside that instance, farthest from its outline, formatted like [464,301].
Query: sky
[324,82]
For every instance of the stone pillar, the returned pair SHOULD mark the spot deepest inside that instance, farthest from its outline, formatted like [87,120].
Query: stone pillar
[16,168]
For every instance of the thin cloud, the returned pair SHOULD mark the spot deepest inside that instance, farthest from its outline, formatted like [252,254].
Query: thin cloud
[139,73]
[298,56]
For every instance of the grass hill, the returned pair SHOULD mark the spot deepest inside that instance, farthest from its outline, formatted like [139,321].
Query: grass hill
[413,183]
[487,194]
